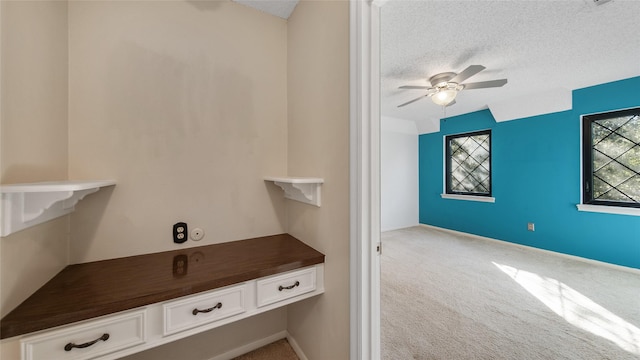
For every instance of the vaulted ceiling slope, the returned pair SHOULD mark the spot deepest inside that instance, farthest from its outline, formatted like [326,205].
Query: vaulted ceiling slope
[544,48]
[279,8]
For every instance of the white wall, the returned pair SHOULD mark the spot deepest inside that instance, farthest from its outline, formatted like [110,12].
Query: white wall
[398,174]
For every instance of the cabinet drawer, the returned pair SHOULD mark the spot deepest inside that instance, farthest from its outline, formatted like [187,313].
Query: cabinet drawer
[202,309]
[88,340]
[286,286]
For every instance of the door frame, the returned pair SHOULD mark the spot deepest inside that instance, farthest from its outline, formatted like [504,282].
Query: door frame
[364,179]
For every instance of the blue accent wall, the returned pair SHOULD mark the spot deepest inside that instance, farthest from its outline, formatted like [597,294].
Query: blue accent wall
[536,178]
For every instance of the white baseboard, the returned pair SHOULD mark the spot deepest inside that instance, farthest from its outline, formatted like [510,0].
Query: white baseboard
[393,228]
[252,346]
[296,347]
[573,257]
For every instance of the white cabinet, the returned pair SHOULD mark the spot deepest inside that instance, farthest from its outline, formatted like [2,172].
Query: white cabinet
[281,287]
[197,310]
[87,340]
[124,333]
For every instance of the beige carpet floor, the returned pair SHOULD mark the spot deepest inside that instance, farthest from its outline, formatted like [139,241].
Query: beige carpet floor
[445,296]
[279,350]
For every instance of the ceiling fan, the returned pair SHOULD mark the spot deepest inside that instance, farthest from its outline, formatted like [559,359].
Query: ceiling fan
[446,86]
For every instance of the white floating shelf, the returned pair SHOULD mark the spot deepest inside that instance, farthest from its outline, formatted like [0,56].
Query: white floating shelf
[29,204]
[306,190]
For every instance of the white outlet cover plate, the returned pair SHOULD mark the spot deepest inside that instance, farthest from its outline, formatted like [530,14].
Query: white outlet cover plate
[197,234]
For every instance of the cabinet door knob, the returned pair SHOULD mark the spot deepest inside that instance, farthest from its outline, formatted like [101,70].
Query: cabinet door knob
[70,346]
[216,306]
[280,288]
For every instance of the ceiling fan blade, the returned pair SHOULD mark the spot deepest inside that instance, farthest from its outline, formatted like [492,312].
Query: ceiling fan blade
[485,84]
[451,103]
[414,100]
[467,73]
[414,87]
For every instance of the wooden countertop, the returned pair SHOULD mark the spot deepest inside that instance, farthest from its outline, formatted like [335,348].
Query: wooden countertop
[88,290]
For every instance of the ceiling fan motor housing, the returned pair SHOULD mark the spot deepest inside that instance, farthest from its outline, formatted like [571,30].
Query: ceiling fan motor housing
[441,79]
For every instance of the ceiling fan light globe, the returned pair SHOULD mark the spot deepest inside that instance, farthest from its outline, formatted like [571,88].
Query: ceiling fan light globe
[444,97]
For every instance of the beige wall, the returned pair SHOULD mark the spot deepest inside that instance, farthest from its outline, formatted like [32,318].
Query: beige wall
[318,88]
[187,105]
[33,128]
[33,140]
[34,91]
[205,346]
[183,103]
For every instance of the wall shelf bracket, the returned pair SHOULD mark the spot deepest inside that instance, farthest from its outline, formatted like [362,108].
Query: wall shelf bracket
[305,190]
[30,204]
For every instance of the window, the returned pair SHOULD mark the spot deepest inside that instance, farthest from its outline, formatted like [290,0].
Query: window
[468,164]
[611,158]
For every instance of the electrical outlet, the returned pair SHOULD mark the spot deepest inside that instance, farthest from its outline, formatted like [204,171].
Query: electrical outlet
[180,232]
[531,226]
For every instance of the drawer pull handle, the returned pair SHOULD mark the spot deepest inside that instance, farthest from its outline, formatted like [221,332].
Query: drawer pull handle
[280,288]
[70,346]
[216,306]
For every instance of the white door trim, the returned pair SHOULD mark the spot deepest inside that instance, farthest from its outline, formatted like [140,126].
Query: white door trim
[365,180]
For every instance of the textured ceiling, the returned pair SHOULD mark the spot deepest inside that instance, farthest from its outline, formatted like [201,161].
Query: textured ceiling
[279,8]
[544,48]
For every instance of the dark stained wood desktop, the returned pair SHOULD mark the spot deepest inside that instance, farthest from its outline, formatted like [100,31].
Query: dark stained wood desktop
[84,291]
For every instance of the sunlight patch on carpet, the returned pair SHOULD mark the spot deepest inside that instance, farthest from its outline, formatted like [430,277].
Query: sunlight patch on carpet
[577,309]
